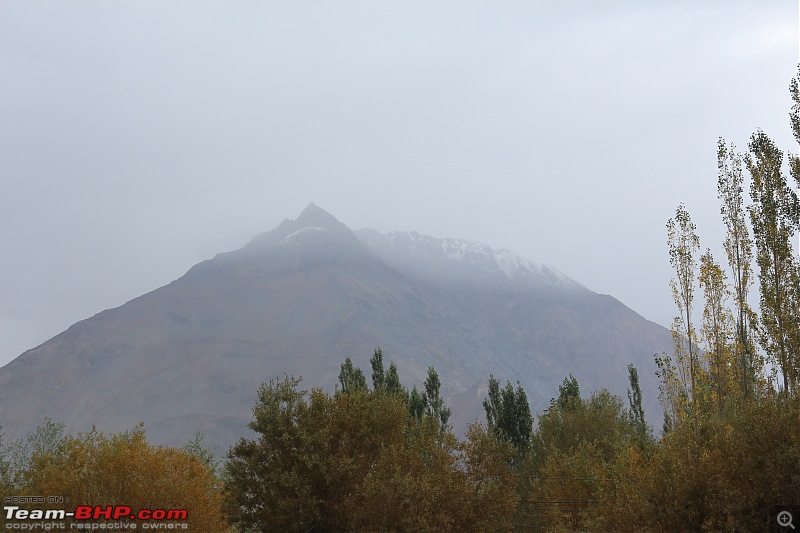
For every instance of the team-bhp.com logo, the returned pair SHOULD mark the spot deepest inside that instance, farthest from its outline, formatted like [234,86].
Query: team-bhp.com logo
[86,517]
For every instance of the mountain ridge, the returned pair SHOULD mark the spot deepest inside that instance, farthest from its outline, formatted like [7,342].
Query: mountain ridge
[190,355]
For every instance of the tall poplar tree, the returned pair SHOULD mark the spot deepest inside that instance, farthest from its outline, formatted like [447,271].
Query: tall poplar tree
[794,118]
[717,330]
[774,216]
[378,373]
[683,244]
[739,251]
[434,403]
[641,430]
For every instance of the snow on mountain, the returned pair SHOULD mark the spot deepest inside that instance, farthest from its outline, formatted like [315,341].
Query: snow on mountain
[303,230]
[461,261]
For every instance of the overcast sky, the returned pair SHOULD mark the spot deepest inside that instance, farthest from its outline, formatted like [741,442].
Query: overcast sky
[139,138]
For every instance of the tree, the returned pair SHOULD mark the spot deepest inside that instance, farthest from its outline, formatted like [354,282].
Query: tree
[351,378]
[794,119]
[576,447]
[569,393]
[195,448]
[774,216]
[673,393]
[717,332]
[434,404]
[393,385]
[358,462]
[739,251]
[491,482]
[508,414]
[15,457]
[6,486]
[417,403]
[636,411]
[683,243]
[45,439]
[94,469]
[378,373]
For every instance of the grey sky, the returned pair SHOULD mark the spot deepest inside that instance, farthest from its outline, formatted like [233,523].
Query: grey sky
[138,138]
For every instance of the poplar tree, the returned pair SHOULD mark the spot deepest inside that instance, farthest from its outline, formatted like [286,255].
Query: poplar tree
[417,404]
[794,119]
[636,413]
[739,251]
[569,393]
[393,385]
[351,378]
[378,373]
[716,328]
[774,216]
[508,414]
[673,394]
[434,404]
[683,244]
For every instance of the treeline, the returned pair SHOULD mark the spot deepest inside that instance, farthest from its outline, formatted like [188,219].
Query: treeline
[360,459]
[382,458]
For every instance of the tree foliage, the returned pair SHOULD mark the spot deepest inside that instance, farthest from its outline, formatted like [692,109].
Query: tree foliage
[739,251]
[774,216]
[575,454]
[120,469]
[683,243]
[378,372]
[508,414]
[359,461]
[433,401]
[719,374]
[351,378]
[638,420]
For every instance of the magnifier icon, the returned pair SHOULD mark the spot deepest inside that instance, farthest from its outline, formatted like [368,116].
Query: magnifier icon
[785,519]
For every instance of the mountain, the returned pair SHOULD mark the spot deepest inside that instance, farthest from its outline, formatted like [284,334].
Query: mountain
[298,299]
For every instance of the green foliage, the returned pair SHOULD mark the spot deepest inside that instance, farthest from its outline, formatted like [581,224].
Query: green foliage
[683,243]
[575,454]
[358,462]
[196,449]
[417,404]
[641,430]
[351,378]
[729,475]
[720,374]
[432,399]
[600,420]
[774,216]
[739,251]
[378,373]
[569,393]
[393,385]
[508,414]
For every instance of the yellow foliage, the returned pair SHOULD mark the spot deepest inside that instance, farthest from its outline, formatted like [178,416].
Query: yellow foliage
[123,469]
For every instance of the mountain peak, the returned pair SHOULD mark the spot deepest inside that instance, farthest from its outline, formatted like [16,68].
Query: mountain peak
[313,222]
[315,216]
